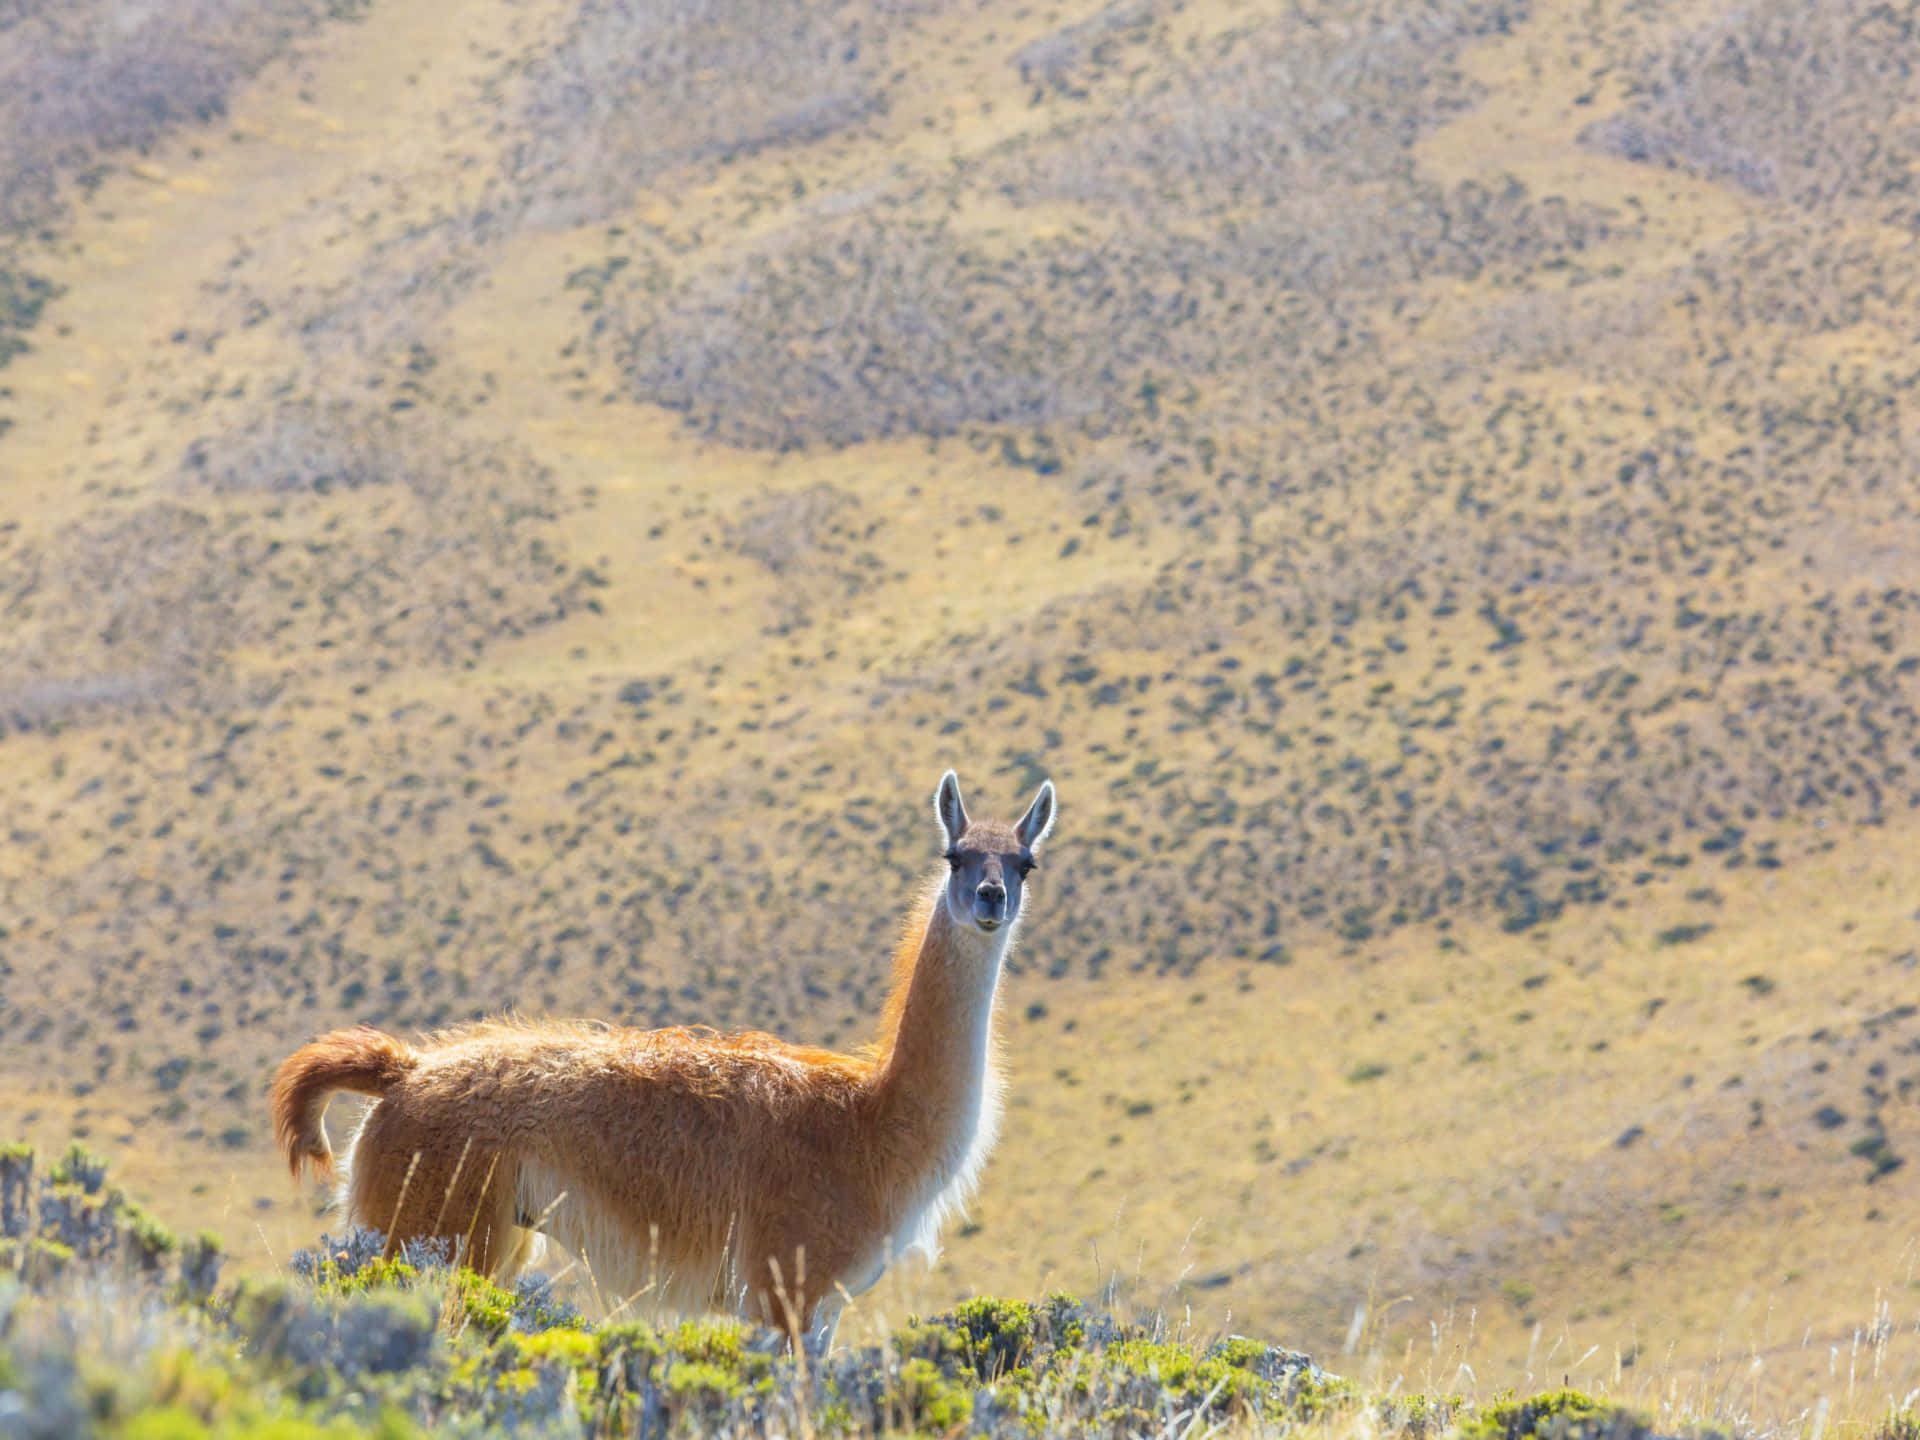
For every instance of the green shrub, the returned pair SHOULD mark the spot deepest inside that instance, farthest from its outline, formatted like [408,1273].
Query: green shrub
[1553,1415]
[931,1400]
[1189,1379]
[987,1337]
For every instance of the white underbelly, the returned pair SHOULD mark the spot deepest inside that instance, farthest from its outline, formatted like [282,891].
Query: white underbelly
[630,1271]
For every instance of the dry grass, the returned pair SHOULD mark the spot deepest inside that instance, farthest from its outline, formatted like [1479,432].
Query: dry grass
[1454,556]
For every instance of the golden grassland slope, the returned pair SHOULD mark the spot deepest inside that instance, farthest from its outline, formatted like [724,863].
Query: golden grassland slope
[506,508]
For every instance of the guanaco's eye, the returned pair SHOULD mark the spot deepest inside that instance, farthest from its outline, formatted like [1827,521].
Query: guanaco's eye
[952,857]
[1027,867]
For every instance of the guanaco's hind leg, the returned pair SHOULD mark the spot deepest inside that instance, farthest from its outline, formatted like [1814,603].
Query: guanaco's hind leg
[407,1184]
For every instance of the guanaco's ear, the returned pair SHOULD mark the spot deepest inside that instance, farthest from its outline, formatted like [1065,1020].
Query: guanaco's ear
[949,808]
[1038,820]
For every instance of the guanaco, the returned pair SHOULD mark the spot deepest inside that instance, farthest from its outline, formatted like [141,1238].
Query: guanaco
[684,1168]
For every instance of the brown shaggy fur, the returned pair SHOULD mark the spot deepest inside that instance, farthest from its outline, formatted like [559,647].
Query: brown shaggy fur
[362,1060]
[689,1169]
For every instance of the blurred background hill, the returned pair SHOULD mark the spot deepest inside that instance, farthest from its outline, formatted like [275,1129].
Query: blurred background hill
[514,503]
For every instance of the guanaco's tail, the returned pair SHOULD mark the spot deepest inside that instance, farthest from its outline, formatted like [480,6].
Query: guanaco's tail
[363,1060]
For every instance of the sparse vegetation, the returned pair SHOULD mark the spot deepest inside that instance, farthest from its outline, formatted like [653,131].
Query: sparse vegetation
[1431,480]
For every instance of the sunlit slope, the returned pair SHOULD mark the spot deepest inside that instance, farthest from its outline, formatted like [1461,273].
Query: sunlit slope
[520,511]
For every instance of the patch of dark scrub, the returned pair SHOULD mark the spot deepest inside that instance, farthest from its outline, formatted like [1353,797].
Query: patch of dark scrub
[386,550]
[859,332]
[37,704]
[82,79]
[23,295]
[790,531]
[1786,101]
[306,445]
[637,89]
[1062,59]
[1275,110]
[870,327]
[113,613]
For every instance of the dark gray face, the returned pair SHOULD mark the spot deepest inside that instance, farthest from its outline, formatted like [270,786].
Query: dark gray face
[988,862]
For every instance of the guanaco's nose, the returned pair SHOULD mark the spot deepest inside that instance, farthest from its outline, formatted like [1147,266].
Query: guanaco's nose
[990,903]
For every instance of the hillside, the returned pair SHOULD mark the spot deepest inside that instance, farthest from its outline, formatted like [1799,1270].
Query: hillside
[516,504]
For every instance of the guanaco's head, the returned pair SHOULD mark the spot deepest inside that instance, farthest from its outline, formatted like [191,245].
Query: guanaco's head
[988,860]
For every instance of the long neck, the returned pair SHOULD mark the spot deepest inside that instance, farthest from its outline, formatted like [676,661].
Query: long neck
[933,1064]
